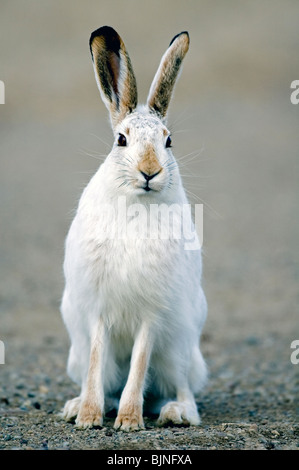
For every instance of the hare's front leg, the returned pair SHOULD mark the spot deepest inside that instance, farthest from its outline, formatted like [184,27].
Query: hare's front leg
[91,408]
[129,416]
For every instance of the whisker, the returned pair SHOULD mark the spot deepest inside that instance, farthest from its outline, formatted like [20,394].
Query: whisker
[119,177]
[101,140]
[122,164]
[122,184]
[202,201]
[196,176]
[189,157]
[183,116]
[94,155]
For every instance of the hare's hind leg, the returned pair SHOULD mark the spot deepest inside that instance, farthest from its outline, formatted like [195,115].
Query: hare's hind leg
[71,409]
[184,410]
[75,369]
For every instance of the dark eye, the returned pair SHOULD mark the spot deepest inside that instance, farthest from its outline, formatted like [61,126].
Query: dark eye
[168,142]
[122,141]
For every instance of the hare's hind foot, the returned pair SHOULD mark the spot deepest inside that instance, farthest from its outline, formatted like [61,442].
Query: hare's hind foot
[179,413]
[71,409]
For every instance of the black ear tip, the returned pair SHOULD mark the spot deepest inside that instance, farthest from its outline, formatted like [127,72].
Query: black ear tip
[180,34]
[109,34]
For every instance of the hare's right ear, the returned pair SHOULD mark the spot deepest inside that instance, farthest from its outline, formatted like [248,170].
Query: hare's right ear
[114,73]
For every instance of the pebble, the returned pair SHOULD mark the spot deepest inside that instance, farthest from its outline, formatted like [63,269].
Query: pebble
[43,389]
[45,444]
[253,428]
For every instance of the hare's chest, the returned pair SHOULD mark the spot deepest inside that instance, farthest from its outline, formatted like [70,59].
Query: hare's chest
[122,260]
[129,267]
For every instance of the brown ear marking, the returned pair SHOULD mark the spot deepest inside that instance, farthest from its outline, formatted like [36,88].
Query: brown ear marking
[110,38]
[149,163]
[109,56]
[165,78]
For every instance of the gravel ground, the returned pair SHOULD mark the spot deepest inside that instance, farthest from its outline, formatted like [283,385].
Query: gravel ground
[252,408]
[233,106]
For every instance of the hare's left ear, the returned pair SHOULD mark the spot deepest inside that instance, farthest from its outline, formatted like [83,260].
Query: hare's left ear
[167,73]
[114,73]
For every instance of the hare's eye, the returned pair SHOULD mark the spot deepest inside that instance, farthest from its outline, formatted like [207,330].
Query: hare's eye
[122,141]
[168,142]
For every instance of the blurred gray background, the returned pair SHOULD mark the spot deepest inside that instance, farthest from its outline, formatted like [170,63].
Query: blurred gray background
[233,125]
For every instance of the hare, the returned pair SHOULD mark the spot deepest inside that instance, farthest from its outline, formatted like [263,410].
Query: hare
[134,307]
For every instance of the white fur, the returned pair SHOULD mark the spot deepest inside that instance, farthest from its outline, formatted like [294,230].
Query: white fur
[137,304]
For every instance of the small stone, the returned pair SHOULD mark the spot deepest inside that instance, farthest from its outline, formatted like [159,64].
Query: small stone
[252,341]
[20,386]
[26,404]
[253,428]
[45,444]
[269,445]
[43,389]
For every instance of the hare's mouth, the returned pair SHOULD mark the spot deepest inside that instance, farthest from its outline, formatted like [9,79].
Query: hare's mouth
[151,182]
[147,188]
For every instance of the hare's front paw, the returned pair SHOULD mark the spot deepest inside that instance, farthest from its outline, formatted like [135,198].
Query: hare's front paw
[178,413]
[71,409]
[129,418]
[89,415]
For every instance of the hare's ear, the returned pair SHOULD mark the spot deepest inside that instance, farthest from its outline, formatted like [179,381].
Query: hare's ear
[113,72]
[167,73]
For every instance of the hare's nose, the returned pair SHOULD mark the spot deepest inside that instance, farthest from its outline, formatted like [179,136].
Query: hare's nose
[148,177]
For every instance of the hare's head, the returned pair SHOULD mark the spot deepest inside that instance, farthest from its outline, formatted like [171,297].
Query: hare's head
[141,155]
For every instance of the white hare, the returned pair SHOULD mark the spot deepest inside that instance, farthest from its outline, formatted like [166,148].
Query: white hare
[133,306]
